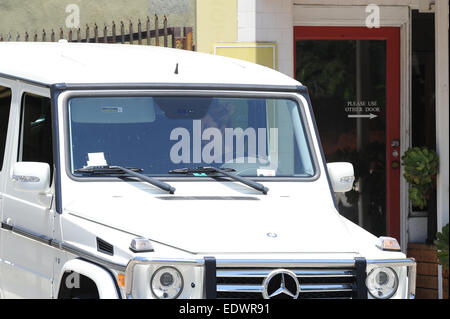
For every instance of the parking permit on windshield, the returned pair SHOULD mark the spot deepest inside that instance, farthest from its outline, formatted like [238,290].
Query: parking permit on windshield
[96,159]
[265,172]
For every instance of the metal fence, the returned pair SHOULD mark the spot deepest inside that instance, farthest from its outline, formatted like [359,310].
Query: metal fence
[148,34]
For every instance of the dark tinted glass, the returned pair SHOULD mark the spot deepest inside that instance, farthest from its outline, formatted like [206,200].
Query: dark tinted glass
[254,136]
[36,130]
[5,106]
[347,83]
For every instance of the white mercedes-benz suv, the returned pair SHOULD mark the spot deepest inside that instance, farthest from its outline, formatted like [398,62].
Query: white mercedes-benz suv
[174,175]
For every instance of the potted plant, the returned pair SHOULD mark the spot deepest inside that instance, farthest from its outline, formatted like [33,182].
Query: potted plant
[442,245]
[442,251]
[421,165]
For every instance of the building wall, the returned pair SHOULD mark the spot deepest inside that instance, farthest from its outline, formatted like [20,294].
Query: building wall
[269,21]
[248,28]
[216,23]
[33,16]
[442,109]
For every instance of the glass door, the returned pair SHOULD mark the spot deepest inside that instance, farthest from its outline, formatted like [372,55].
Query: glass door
[352,75]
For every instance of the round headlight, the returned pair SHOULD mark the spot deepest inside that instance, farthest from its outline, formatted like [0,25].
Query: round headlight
[382,282]
[166,283]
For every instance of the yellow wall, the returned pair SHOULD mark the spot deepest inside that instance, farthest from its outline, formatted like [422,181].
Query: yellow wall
[217,34]
[216,22]
[260,53]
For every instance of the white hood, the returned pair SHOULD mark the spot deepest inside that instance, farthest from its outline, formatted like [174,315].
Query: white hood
[254,223]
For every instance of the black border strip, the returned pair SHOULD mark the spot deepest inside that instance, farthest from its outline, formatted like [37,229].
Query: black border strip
[322,154]
[361,275]
[29,234]
[7,227]
[54,94]
[63,246]
[210,278]
[181,86]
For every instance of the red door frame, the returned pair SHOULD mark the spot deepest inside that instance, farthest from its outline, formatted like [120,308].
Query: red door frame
[392,37]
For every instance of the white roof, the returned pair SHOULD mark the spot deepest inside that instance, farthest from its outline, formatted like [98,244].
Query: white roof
[51,63]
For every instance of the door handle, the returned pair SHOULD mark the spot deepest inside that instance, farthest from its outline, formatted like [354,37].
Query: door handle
[8,225]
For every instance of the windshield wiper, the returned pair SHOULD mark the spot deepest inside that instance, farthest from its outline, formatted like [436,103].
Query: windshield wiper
[223,171]
[102,170]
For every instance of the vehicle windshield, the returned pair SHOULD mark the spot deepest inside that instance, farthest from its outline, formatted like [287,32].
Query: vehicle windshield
[157,134]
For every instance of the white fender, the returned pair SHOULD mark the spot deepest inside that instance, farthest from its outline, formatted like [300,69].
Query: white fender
[103,280]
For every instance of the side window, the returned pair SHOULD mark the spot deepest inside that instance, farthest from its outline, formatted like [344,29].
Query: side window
[5,106]
[36,130]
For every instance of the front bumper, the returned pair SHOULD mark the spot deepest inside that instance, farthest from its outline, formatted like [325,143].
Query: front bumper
[245,278]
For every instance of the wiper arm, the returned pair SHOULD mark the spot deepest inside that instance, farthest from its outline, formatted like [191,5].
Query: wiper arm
[100,170]
[223,171]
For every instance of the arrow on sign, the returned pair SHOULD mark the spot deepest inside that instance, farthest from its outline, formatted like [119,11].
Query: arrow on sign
[363,116]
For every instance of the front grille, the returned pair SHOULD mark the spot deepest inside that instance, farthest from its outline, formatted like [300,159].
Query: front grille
[315,283]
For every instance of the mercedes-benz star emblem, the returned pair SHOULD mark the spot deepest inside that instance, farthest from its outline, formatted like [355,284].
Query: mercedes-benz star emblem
[281,283]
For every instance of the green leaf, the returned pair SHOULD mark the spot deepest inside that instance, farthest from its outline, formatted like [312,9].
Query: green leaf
[420,168]
[442,243]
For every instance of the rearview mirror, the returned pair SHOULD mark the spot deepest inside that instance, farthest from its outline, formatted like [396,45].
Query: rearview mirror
[31,176]
[342,176]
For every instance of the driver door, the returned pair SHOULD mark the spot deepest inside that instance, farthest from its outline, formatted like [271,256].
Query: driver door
[27,267]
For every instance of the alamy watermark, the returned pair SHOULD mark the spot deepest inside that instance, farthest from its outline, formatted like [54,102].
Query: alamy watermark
[227,145]
[73,281]
[373,16]
[73,19]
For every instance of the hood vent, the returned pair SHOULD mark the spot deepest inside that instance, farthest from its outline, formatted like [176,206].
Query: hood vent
[105,247]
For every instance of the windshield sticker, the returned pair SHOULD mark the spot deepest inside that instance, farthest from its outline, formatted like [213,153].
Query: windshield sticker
[96,159]
[112,109]
[265,172]
[200,174]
